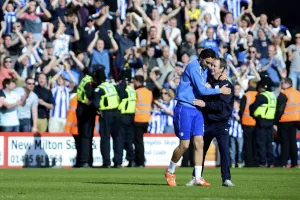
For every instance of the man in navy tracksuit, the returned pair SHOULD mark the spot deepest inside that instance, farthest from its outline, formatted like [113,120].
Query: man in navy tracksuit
[217,110]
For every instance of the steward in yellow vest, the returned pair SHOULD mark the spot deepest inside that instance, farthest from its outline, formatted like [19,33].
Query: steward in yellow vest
[263,110]
[287,126]
[106,100]
[127,109]
[86,115]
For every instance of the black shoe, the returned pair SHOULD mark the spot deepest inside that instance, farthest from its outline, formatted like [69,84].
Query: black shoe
[85,165]
[131,164]
[105,166]
[117,166]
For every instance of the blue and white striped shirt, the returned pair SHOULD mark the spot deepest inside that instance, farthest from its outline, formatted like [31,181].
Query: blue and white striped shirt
[235,129]
[234,6]
[167,119]
[32,59]
[10,18]
[156,123]
[61,99]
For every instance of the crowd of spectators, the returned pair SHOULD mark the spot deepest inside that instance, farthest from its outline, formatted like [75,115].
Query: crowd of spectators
[47,47]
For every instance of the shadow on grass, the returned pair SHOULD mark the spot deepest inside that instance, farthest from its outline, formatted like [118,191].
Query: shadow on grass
[124,183]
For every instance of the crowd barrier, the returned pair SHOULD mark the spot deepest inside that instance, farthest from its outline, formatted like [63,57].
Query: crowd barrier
[18,150]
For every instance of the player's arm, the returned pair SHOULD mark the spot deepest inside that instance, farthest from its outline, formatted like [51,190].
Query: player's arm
[195,76]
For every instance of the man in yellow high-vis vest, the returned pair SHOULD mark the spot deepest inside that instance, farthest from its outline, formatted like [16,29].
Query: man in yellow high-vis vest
[106,101]
[127,109]
[86,117]
[264,110]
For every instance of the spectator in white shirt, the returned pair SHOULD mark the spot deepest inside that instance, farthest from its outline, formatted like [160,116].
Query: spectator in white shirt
[9,121]
[29,108]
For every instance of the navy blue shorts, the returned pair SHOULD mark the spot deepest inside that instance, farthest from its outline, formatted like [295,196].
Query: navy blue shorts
[188,122]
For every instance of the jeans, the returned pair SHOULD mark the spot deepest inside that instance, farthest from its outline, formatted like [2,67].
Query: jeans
[295,76]
[9,128]
[25,125]
[236,146]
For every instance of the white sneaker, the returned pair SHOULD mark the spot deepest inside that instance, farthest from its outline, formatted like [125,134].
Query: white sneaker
[192,182]
[228,183]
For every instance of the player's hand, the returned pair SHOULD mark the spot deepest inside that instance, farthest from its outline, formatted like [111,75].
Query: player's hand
[199,103]
[225,90]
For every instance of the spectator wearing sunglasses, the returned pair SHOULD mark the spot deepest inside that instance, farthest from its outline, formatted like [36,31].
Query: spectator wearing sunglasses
[29,108]
[6,71]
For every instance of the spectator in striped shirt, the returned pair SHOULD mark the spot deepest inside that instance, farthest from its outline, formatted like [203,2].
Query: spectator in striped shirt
[61,95]
[236,136]
[156,121]
[9,15]
[167,106]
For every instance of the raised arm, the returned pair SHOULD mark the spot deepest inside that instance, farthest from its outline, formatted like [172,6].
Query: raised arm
[104,16]
[114,45]
[144,15]
[46,12]
[4,5]
[170,15]
[76,33]
[93,43]
[78,62]
[20,13]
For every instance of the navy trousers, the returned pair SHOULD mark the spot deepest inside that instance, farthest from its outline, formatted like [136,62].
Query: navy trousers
[220,131]
[264,139]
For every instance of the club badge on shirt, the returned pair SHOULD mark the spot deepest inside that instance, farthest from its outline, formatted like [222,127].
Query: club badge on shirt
[217,87]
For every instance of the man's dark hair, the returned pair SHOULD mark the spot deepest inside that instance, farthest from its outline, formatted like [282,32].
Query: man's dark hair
[288,81]
[276,17]
[207,53]
[28,78]
[222,62]
[6,81]
[139,78]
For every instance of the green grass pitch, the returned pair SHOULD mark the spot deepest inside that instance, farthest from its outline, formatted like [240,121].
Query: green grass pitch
[145,183]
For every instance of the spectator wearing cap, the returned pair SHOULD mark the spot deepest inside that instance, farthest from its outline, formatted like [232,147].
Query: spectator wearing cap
[200,47]
[100,55]
[61,97]
[272,66]
[33,21]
